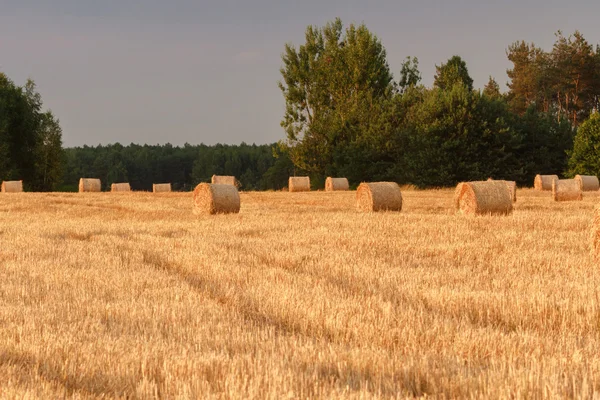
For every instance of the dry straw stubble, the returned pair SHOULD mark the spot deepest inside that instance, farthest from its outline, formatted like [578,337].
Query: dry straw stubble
[566,190]
[378,196]
[323,306]
[336,184]
[161,187]
[11,187]
[595,233]
[544,182]
[89,185]
[489,197]
[588,183]
[299,184]
[216,199]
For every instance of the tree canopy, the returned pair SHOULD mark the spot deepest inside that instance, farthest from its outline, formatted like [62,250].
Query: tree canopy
[585,158]
[30,139]
[330,85]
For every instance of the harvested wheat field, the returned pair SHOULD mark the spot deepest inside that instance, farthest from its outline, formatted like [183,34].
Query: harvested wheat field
[297,296]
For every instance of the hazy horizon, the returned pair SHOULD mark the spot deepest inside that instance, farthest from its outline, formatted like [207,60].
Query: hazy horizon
[149,72]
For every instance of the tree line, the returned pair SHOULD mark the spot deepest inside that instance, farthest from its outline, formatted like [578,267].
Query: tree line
[254,166]
[346,115]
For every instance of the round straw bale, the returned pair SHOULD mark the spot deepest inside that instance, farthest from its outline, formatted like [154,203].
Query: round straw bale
[216,199]
[120,187]
[12,187]
[334,184]
[588,183]
[379,196]
[483,197]
[544,182]
[299,184]
[224,180]
[512,188]
[161,187]
[89,185]
[566,190]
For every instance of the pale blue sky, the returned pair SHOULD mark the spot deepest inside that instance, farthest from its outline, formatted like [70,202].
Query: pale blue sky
[150,71]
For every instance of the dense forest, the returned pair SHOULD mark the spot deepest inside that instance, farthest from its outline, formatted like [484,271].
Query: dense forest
[256,167]
[346,115]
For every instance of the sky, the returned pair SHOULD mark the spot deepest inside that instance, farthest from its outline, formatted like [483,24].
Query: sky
[184,71]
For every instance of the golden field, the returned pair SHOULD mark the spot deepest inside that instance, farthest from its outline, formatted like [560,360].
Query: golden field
[297,296]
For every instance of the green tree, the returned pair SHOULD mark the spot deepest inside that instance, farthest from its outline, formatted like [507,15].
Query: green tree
[527,83]
[492,89]
[49,153]
[454,71]
[564,81]
[330,84]
[457,135]
[30,139]
[575,86]
[409,74]
[585,158]
[544,143]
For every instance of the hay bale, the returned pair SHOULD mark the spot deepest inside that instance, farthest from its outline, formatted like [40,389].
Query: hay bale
[544,182]
[89,185]
[379,196]
[161,187]
[566,190]
[299,184]
[11,187]
[483,197]
[512,188]
[216,199]
[335,184]
[120,187]
[588,183]
[224,180]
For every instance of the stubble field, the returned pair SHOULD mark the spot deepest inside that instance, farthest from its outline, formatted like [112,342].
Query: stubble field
[297,296]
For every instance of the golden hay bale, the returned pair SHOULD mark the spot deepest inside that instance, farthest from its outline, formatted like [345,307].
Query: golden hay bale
[216,199]
[588,183]
[120,187]
[544,182]
[379,196]
[161,187]
[299,184]
[223,180]
[566,190]
[12,187]
[512,188]
[483,197]
[335,184]
[89,185]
